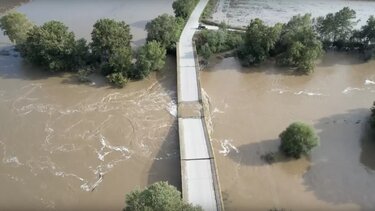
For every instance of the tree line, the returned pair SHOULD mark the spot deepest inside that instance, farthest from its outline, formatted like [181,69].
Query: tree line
[300,42]
[54,47]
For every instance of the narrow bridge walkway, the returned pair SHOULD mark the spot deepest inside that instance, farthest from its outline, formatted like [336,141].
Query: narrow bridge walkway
[200,184]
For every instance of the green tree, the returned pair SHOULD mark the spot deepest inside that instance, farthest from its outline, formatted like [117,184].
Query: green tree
[16,26]
[368,32]
[205,51]
[52,46]
[183,8]
[159,196]
[111,46]
[151,57]
[299,45]
[117,79]
[336,29]
[298,139]
[259,41]
[166,30]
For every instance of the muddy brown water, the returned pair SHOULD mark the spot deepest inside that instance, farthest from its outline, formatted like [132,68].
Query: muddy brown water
[251,106]
[71,146]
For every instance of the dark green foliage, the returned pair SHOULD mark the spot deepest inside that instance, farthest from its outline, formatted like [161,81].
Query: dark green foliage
[111,46]
[259,41]
[117,79]
[16,26]
[159,196]
[209,9]
[336,29]
[372,117]
[52,46]
[299,45]
[166,30]
[150,57]
[298,139]
[183,8]
[210,42]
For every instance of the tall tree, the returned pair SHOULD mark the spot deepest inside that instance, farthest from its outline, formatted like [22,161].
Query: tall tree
[16,26]
[259,41]
[183,8]
[299,44]
[166,30]
[111,46]
[51,46]
[150,57]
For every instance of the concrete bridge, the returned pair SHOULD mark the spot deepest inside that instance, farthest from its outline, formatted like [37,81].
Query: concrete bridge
[200,184]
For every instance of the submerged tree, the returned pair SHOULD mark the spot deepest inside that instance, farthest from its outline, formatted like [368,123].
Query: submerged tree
[336,29]
[166,30]
[183,8]
[52,46]
[150,57]
[372,117]
[16,26]
[259,41]
[111,46]
[299,44]
[298,139]
[159,196]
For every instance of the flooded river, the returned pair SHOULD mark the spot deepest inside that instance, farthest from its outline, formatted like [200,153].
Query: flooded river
[240,12]
[251,106]
[71,146]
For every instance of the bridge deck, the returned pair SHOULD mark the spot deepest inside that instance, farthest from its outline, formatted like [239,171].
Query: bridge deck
[199,178]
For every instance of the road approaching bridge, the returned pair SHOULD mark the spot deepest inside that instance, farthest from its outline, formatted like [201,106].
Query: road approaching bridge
[200,185]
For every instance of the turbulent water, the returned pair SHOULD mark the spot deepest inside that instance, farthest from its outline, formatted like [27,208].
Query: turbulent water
[71,146]
[250,108]
[240,12]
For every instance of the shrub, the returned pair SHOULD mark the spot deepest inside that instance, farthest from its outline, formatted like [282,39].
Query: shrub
[183,8]
[159,196]
[151,57]
[298,139]
[117,79]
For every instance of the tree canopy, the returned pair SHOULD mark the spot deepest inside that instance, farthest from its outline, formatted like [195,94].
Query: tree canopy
[166,30]
[183,8]
[16,26]
[336,29]
[52,46]
[111,46]
[299,45]
[159,196]
[259,40]
[298,139]
[150,57]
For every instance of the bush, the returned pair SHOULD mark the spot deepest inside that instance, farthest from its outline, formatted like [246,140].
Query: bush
[16,26]
[150,57]
[298,139]
[183,8]
[159,196]
[166,30]
[51,46]
[117,79]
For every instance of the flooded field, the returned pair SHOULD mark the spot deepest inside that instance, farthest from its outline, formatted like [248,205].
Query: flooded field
[251,107]
[71,146]
[241,12]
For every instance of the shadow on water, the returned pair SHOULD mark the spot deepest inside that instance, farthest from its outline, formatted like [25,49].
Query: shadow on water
[343,165]
[261,153]
[166,166]
[340,58]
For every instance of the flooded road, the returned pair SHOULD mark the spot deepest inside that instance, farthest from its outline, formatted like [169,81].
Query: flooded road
[240,12]
[71,146]
[251,107]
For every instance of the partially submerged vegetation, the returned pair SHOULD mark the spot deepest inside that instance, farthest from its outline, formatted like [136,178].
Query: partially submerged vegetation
[299,43]
[158,196]
[372,117]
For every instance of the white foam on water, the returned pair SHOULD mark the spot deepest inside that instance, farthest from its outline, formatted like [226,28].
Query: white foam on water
[369,82]
[227,146]
[303,92]
[216,110]
[172,108]
[349,89]
[12,160]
